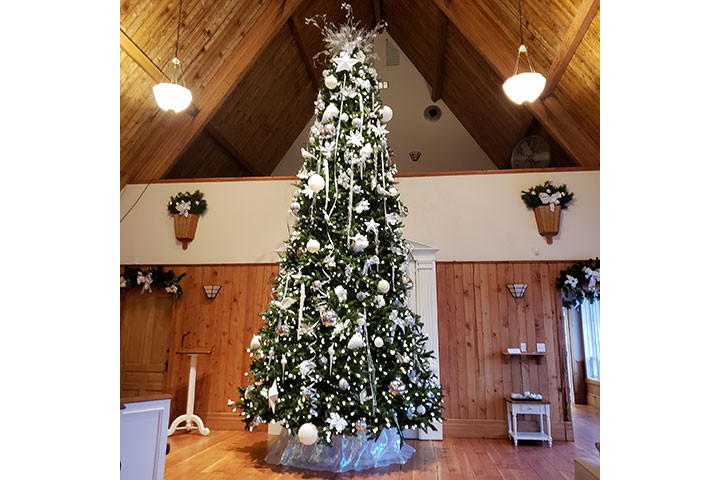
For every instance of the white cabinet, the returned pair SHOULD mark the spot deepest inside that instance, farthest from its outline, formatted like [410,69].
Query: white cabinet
[143,437]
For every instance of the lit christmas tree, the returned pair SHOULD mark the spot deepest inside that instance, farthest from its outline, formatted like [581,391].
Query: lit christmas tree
[341,356]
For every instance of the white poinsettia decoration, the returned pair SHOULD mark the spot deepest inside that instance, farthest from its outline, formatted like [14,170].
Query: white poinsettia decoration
[183,207]
[337,422]
[572,281]
[362,206]
[341,293]
[355,138]
[306,367]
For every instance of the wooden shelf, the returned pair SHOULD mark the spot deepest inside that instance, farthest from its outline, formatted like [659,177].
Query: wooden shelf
[524,354]
[537,355]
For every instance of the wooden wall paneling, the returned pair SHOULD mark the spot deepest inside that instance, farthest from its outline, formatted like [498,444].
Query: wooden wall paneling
[476,397]
[535,291]
[504,325]
[486,385]
[530,338]
[461,347]
[479,319]
[498,366]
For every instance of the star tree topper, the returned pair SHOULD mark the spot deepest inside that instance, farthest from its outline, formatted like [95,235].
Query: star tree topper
[345,62]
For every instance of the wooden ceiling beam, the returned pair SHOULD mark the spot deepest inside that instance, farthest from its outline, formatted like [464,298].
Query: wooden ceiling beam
[148,66]
[172,142]
[439,73]
[576,32]
[558,122]
[481,30]
[307,60]
[377,11]
[230,149]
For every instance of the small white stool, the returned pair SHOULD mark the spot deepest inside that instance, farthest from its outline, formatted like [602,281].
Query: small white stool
[189,416]
[528,407]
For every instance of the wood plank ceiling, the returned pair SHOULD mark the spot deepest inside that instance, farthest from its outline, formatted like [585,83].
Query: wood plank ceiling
[249,66]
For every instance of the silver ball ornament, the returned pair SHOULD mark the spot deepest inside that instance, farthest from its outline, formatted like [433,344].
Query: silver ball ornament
[361,425]
[421,409]
[344,385]
[295,207]
[329,318]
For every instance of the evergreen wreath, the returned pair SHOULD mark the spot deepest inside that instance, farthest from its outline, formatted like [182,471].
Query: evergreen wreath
[579,283]
[547,194]
[186,203]
[134,277]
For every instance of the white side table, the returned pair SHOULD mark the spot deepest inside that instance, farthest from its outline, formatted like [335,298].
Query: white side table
[528,407]
[189,416]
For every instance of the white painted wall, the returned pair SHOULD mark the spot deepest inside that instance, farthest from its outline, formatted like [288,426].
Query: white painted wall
[445,144]
[468,217]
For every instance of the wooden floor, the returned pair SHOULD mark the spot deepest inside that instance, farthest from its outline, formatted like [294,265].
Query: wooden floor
[239,455]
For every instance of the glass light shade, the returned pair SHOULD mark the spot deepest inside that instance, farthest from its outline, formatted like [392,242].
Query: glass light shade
[171,96]
[524,87]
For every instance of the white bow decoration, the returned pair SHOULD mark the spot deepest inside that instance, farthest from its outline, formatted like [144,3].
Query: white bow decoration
[183,207]
[593,276]
[551,200]
[145,281]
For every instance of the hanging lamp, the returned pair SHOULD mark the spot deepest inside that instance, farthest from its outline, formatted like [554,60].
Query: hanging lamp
[173,96]
[526,86]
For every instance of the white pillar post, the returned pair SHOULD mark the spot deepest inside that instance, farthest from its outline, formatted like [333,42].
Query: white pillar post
[424,303]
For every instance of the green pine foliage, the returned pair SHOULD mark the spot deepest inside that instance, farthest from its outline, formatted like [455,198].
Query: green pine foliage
[357,219]
[533,197]
[195,201]
[160,279]
[574,283]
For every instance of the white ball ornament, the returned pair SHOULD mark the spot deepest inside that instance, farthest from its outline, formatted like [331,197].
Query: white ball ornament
[383,286]
[316,182]
[344,117]
[387,114]
[379,342]
[308,434]
[312,245]
[331,82]
[356,122]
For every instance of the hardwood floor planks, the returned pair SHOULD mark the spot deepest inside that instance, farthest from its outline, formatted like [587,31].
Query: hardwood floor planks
[226,454]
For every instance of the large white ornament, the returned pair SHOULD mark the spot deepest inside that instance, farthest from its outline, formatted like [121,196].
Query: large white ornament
[330,113]
[308,434]
[312,245]
[387,114]
[331,82]
[316,182]
[383,286]
[255,342]
[379,342]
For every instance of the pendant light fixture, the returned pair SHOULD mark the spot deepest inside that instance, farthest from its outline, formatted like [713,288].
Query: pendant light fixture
[173,96]
[527,86]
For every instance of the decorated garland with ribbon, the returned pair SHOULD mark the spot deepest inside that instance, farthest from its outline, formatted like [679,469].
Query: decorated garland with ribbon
[579,283]
[187,203]
[146,280]
[547,194]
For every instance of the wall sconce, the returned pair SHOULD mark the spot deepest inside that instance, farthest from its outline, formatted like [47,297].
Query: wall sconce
[211,291]
[517,290]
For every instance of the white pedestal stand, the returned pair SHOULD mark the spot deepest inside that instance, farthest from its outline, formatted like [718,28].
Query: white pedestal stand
[189,416]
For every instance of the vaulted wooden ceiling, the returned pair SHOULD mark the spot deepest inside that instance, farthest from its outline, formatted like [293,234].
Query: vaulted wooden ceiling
[249,66]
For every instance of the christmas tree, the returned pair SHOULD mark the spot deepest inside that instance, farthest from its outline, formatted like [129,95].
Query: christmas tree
[341,354]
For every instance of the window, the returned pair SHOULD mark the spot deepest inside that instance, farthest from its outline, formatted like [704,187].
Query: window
[590,313]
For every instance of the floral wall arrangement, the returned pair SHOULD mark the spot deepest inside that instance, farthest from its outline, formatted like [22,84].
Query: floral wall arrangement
[579,283]
[185,209]
[547,201]
[134,277]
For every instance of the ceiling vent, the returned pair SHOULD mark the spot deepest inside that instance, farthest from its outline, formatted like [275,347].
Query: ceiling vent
[432,113]
[392,54]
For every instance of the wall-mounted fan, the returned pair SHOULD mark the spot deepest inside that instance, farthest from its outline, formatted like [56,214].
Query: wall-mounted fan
[531,152]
